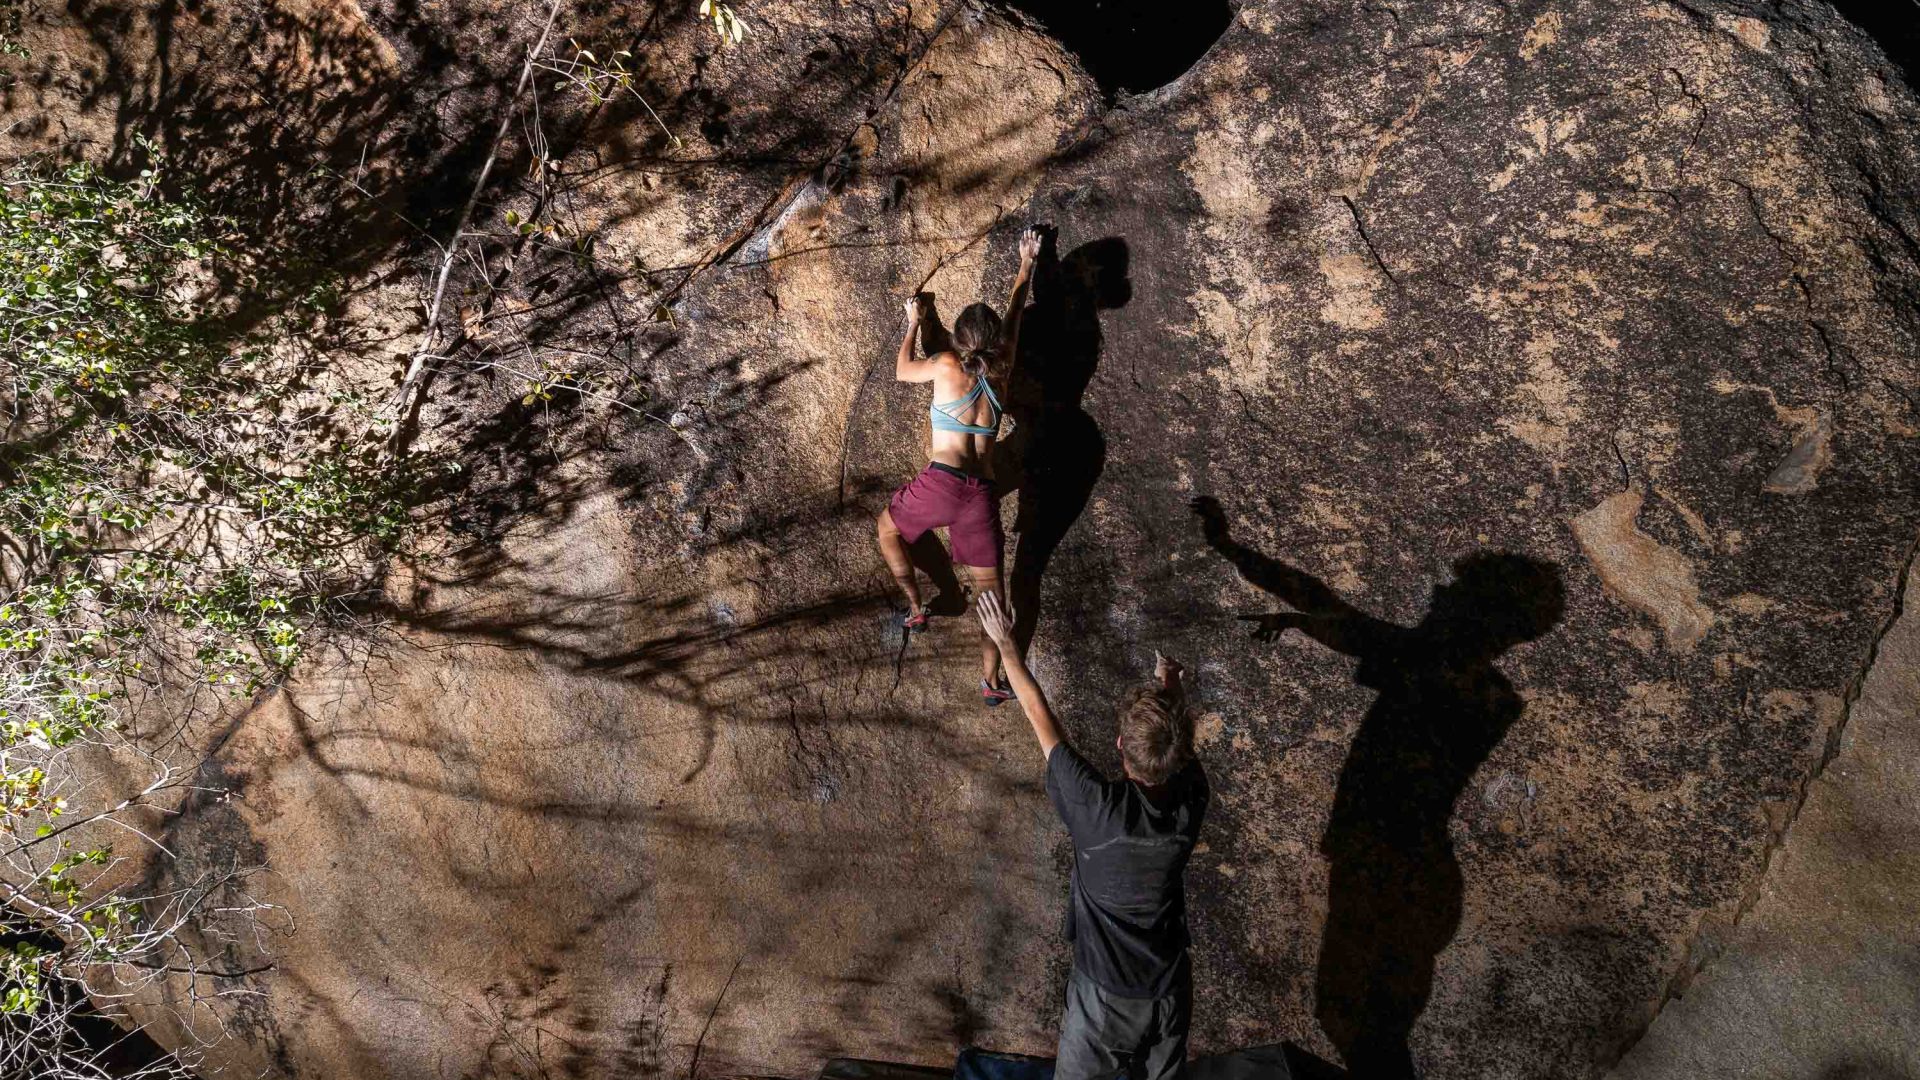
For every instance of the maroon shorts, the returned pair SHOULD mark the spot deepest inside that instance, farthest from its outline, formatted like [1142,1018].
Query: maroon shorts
[964,504]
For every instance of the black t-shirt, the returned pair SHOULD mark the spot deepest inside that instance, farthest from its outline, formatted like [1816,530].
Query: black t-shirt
[1128,915]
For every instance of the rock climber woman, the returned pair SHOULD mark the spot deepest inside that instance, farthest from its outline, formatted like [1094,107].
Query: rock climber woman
[955,490]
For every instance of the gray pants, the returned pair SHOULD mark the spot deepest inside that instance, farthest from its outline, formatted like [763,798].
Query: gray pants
[1102,1034]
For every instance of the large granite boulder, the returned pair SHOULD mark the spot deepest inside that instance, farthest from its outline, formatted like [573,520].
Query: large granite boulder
[1551,367]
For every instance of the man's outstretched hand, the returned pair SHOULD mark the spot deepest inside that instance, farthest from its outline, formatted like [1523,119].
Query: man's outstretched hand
[1213,520]
[1166,670]
[996,618]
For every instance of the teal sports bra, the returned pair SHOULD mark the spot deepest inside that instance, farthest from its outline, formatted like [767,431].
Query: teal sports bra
[944,418]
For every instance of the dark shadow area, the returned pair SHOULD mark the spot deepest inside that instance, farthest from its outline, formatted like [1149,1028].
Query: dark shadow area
[98,1039]
[1056,453]
[338,138]
[1394,886]
[1273,1061]
[292,121]
[930,557]
[1303,1064]
[1894,24]
[1132,46]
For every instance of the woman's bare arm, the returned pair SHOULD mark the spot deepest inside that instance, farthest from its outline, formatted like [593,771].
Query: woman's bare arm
[997,618]
[1017,299]
[905,367]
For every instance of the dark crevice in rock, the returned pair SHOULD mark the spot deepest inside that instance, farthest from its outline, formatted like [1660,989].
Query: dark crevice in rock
[1361,227]
[1711,937]
[1132,46]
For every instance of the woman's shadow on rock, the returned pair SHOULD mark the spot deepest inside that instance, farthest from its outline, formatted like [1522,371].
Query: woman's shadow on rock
[1055,453]
[1394,886]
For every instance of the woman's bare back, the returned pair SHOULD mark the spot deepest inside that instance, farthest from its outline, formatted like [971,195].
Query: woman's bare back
[962,450]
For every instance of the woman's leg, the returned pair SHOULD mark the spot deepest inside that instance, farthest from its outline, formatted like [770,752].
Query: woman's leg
[986,579]
[894,549]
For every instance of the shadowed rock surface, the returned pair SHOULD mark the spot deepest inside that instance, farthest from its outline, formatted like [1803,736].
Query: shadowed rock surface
[1817,979]
[1614,298]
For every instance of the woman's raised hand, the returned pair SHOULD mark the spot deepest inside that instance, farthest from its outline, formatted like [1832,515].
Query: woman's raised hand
[1030,244]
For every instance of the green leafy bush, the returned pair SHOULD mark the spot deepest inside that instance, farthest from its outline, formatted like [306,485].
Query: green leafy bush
[158,474]
[181,504]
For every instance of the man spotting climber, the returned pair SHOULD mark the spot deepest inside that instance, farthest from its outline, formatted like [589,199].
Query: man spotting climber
[1131,991]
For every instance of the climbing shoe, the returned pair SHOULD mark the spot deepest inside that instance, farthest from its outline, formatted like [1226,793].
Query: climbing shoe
[917,620]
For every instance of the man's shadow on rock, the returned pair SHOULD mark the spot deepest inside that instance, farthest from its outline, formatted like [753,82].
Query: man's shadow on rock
[1394,887]
[1055,453]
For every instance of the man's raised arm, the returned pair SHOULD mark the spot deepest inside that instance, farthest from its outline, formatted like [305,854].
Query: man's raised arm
[997,618]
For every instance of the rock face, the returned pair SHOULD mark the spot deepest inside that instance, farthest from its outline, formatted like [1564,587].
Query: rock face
[1552,366]
[1813,981]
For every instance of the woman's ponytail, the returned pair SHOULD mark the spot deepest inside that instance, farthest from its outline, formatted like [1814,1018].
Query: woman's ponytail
[976,335]
[976,362]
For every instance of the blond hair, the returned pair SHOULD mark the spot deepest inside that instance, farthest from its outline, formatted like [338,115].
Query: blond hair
[1156,739]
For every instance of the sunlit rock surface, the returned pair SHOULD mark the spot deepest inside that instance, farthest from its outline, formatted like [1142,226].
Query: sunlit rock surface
[649,782]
